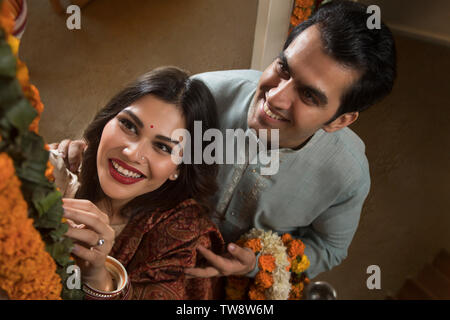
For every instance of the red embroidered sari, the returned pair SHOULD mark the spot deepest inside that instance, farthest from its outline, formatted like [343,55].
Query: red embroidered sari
[155,247]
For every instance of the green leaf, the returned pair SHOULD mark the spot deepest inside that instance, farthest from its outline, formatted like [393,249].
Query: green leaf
[50,218]
[10,92]
[5,129]
[32,170]
[60,251]
[33,148]
[57,234]
[7,60]
[21,114]
[44,204]
[68,294]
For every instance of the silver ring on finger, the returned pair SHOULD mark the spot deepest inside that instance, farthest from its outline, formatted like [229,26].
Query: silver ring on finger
[100,242]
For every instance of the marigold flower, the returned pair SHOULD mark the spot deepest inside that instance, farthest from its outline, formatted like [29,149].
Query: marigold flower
[27,271]
[296,291]
[22,74]
[253,244]
[241,242]
[14,44]
[295,248]
[266,262]
[6,17]
[295,21]
[286,238]
[301,12]
[264,280]
[273,281]
[290,264]
[256,294]
[49,172]
[307,13]
[304,3]
[300,266]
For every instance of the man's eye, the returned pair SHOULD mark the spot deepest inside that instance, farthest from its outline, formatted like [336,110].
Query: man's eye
[128,125]
[308,97]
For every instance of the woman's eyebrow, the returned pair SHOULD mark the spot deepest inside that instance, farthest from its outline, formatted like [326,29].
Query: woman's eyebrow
[161,137]
[134,117]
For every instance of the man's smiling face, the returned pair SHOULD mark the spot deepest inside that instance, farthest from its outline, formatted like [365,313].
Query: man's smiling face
[301,91]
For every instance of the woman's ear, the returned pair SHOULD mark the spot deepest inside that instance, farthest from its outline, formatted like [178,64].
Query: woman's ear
[344,120]
[174,176]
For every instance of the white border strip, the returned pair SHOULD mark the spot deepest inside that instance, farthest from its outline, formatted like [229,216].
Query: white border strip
[272,25]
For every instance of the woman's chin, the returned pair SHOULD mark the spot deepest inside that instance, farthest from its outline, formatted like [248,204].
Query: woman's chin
[115,191]
[117,196]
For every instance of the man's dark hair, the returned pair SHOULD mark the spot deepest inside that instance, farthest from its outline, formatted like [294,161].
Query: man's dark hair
[348,40]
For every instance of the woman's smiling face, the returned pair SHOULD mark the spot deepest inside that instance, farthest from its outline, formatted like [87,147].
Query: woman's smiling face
[134,154]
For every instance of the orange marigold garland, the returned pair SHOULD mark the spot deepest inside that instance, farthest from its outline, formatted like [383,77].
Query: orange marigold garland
[302,10]
[34,254]
[281,263]
[27,271]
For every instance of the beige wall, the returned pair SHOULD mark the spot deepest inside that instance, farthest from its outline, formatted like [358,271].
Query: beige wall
[425,19]
[78,71]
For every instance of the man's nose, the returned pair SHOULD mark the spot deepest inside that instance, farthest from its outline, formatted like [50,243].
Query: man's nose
[281,96]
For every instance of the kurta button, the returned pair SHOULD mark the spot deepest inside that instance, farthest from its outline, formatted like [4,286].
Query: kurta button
[232,213]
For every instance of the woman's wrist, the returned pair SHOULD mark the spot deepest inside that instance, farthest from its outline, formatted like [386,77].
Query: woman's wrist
[103,281]
[121,288]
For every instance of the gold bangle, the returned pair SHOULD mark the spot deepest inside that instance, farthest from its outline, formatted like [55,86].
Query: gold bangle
[119,276]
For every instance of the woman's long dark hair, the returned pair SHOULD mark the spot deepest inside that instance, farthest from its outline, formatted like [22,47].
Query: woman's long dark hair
[197,181]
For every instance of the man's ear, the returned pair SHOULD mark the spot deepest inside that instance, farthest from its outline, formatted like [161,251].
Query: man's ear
[342,121]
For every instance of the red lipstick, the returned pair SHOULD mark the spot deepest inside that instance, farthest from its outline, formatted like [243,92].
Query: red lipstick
[121,178]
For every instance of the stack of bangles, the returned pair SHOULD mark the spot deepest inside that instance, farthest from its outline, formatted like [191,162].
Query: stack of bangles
[120,278]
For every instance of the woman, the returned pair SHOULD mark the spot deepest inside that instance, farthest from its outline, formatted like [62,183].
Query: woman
[134,203]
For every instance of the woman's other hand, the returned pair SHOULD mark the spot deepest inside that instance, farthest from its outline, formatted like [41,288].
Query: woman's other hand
[238,261]
[72,152]
[94,238]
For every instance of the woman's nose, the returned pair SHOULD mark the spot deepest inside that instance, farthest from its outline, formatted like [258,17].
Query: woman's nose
[134,152]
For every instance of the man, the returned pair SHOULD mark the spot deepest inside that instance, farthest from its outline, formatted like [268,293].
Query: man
[331,68]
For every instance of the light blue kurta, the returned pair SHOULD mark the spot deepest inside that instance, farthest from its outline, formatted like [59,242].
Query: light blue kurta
[317,194]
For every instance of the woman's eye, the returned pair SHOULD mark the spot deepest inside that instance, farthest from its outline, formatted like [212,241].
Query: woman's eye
[163,147]
[128,125]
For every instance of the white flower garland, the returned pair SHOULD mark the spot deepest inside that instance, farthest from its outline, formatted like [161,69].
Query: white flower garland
[272,244]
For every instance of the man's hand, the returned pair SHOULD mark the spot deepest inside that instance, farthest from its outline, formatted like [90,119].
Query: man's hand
[238,261]
[71,152]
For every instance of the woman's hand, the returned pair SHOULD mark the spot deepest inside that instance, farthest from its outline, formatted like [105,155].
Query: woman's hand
[238,261]
[71,151]
[89,227]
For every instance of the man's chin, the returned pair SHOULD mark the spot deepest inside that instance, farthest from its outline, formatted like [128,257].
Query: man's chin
[253,120]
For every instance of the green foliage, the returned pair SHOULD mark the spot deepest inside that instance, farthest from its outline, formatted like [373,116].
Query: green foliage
[27,150]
